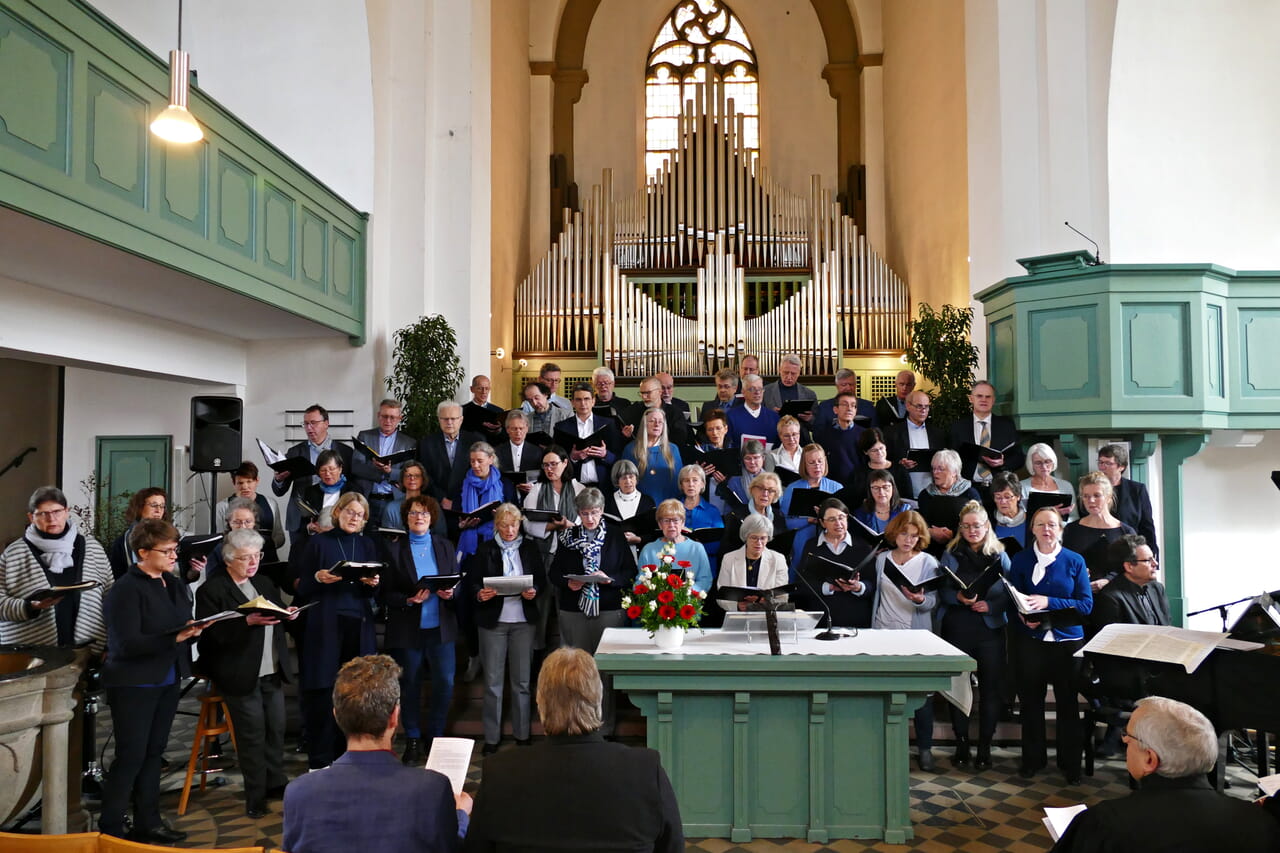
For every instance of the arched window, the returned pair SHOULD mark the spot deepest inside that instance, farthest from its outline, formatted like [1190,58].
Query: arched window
[695,35]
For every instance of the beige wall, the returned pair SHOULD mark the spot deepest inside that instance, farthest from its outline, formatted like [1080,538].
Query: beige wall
[798,132]
[509,166]
[926,185]
[32,424]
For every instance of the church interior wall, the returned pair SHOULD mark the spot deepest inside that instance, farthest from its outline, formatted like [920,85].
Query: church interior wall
[1193,129]
[798,127]
[925,151]
[511,211]
[34,423]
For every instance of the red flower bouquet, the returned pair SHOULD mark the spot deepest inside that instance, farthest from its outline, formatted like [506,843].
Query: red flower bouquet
[664,596]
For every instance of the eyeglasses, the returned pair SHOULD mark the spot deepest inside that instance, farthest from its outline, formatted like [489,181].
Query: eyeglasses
[47,514]
[979,526]
[418,513]
[314,423]
[171,551]
[241,524]
[155,504]
[1153,561]
[1128,735]
[352,513]
[255,557]
[555,463]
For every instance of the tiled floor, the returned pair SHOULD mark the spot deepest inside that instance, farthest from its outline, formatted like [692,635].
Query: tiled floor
[951,809]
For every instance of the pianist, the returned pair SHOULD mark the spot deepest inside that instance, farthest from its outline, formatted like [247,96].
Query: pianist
[1170,746]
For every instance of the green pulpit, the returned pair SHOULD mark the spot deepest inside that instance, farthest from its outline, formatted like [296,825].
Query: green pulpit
[812,744]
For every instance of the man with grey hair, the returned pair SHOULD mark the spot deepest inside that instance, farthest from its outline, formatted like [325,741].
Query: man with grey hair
[753,418]
[846,383]
[445,456]
[603,380]
[380,481]
[367,799]
[1170,746]
[788,388]
[248,660]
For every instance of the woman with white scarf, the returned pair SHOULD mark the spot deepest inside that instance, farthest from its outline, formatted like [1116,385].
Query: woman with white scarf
[1055,580]
[52,552]
[507,623]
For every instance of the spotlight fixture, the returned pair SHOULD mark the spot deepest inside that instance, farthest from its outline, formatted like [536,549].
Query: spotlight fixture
[176,124]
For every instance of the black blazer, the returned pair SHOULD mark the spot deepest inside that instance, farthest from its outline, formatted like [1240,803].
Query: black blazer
[144,615]
[444,479]
[1121,602]
[400,582]
[847,610]
[1133,507]
[530,457]
[362,470]
[886,411]
[566,432]
[231,651]
[898,442]
[486,562]
[1003,432]
[279,487]
[615,561]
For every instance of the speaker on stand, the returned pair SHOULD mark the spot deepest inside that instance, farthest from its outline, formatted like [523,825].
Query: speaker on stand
[216,445]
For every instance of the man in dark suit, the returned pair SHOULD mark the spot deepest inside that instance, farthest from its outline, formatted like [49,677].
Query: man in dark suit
[987,430]
[591,465]
[481,416]
[603,380]
[667,383]
[380,482]
[447,453]
[917,432]
[1133,598]
[367,799]
[315,421]
[522,802]
[892,408]
[1133,501]
[248,660]
[788,389]
[651,398]
[516,454]
[1170,746]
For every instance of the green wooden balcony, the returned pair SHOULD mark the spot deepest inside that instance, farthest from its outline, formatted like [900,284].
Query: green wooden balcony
[77,96]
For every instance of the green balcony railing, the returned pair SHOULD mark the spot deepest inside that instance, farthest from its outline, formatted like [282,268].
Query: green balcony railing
[77,96]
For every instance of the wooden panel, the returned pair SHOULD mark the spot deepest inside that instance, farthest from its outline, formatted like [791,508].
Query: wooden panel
[1259,332]
[1064,352]
[185,185]
[1001,358]
[344,265]
[278,241]
[314,250]
[1156,338]
[1214,356]
[34,90]
[116,159]
[236,207]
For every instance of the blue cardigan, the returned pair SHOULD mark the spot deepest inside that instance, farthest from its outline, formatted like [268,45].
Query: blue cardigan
[1065,582]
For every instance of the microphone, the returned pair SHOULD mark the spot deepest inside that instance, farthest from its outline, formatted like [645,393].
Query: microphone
[1097,252]
[830,633]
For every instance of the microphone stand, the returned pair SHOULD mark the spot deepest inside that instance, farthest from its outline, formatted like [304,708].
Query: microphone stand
[1222,609]
[830,633]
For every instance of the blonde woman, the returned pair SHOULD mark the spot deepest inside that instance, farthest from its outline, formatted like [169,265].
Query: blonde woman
[1092,535]
[657,460]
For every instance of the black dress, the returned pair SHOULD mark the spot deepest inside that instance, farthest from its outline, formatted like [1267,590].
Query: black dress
[1094,544]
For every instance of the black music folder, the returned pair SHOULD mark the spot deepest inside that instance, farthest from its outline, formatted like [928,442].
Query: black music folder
[481,420]
[58,591]
[642,524]
[539,440]
[542,515]
[786,475]
[726,461]
[895,576]
[795,408]
[971,453]
[483,513]
[805,502]
[197,545]
[979,586]
[351,570]
[294,466]
[923,457]
[1040,500]
[705,535]
[390,459]
[436,583]
[596,439]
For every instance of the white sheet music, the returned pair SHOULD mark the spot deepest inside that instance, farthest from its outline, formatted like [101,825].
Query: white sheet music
[1160,643]
[267,453]
[451,756]
[512,585]
[1056,820]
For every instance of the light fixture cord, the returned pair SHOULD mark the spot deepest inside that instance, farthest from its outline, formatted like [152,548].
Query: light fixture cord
[179,24]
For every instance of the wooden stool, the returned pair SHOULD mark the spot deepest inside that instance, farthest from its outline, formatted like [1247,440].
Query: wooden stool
[214,720]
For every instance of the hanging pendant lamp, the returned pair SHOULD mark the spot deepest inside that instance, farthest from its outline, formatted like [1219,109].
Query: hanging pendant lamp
[176,124]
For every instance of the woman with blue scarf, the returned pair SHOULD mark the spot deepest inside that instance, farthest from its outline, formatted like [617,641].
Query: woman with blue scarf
[323,495]
[421,626]
[482,485]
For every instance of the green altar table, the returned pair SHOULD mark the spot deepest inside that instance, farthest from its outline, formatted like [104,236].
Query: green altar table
[812,744]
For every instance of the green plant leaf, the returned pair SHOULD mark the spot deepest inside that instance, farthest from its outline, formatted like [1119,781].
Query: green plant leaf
[425,370]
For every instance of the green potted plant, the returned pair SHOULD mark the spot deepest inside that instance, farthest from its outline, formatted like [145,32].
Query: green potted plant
[425,370]
[941,352]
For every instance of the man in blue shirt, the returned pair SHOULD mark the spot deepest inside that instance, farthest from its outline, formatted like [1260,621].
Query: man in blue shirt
[367,799]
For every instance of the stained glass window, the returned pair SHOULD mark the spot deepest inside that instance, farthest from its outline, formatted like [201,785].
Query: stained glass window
[696,36]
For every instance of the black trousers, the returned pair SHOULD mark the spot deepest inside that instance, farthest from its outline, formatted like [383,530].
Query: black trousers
[259,721]
[1039,665]
[986,646]
[141,717]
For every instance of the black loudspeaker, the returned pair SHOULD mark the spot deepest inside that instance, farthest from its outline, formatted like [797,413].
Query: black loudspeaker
[215,433]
